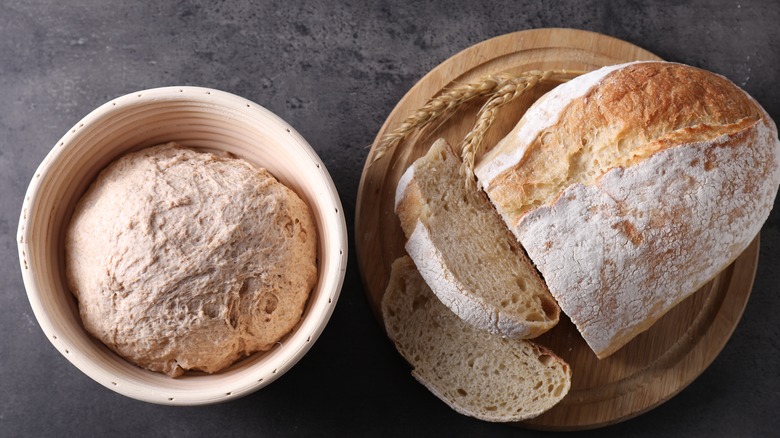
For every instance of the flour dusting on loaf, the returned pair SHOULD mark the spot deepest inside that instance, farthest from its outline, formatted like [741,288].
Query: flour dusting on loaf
[511,148]
[633,254]
[647,183]
[182,260]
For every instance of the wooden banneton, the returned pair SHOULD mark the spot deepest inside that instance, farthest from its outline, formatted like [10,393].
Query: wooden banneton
[650,369]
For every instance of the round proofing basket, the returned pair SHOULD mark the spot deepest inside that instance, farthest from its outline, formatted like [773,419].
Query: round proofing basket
[207,120]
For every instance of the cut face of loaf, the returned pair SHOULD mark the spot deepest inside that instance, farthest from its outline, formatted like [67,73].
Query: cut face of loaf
[466,254]
[632,186]
[476,373]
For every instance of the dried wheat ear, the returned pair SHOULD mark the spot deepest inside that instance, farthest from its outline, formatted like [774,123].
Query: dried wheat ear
[498,89]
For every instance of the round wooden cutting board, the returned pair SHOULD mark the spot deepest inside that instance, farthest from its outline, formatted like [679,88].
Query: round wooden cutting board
[651,368]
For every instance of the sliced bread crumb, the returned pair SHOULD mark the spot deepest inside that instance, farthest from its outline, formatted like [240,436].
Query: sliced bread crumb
[465,252]
[478,374]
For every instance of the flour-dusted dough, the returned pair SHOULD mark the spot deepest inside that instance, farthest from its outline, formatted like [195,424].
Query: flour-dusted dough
[182,260]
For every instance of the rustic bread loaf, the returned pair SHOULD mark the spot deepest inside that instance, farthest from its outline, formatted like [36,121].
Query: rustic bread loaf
[479,374]
[632,186]
[465,253]
[182,260]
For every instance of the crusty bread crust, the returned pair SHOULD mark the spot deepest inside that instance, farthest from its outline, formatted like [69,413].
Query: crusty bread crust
[646,184]
[466,254]
[478,374]
[183,260]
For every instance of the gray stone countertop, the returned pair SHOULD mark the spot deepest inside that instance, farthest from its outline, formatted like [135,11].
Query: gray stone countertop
[335,70]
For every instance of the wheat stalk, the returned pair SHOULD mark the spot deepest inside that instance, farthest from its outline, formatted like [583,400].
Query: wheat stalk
[499,88]
[471,145]
[441,106]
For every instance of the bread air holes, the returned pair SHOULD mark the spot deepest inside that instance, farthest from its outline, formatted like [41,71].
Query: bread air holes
[271,301]
[549,307]
[289,227]
[546,360]
[211,310]
[234,311]
[244,288]
[419,302]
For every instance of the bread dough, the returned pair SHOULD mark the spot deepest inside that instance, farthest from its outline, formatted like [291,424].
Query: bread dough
[183,260]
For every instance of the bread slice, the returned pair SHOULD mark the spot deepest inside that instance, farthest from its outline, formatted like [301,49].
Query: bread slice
[478,374]
[632,186]
[466,253]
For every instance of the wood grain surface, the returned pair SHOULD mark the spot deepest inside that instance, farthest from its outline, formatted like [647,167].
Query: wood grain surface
[650,369]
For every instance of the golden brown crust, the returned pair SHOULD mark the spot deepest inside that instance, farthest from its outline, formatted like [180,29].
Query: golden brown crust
[636,111]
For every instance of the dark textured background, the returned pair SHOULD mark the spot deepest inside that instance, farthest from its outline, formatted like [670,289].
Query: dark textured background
[335,70]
